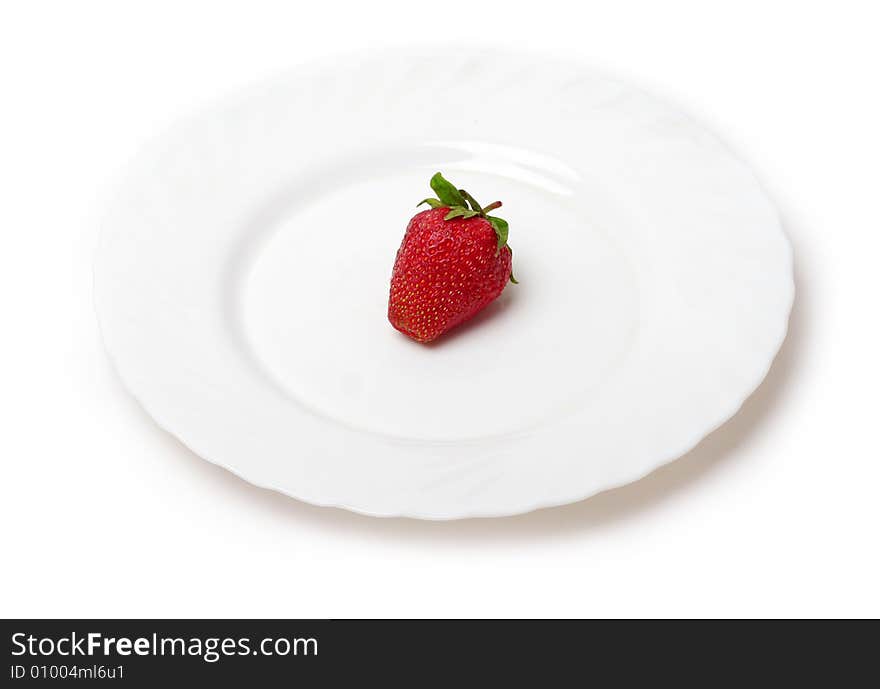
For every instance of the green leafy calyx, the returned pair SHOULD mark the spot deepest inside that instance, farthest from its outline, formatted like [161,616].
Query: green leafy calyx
[463,205]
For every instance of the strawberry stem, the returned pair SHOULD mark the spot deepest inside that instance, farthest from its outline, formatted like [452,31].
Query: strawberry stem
[476,206]
[472,201]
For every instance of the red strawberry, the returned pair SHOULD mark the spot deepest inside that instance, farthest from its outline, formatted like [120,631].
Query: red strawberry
[453,262]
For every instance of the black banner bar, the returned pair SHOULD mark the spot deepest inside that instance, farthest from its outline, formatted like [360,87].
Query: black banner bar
[547,653]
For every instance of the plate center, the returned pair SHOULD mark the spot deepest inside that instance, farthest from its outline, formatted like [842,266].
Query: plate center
[313,311]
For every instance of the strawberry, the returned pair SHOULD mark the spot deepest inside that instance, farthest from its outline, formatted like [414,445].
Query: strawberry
[453,262]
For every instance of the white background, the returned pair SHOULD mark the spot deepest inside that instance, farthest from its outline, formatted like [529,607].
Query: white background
[102,514]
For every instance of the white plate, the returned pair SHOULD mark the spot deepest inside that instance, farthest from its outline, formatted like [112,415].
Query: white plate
[242,284]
